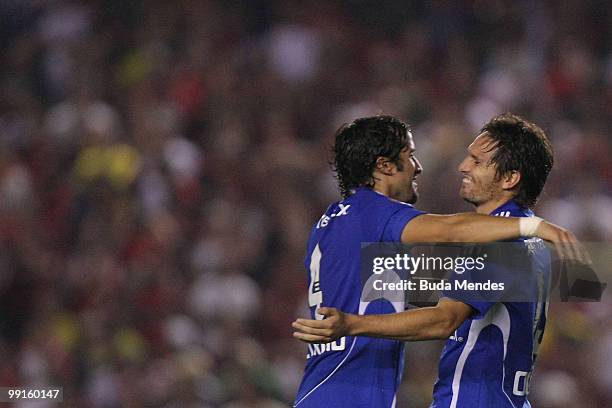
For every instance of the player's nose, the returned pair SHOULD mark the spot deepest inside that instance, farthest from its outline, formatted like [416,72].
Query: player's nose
[463,166]
[418,167]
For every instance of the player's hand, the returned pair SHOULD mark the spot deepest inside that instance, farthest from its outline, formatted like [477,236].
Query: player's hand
[567,245]
[332,327]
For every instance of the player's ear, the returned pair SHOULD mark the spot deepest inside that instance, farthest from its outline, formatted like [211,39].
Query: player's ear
[385,166]
[511,180]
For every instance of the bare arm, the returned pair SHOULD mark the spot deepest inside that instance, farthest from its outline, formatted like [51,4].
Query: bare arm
[427,323]
[470,227]
[460,228]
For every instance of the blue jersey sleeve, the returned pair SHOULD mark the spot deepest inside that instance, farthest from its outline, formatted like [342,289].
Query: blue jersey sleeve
[397,222]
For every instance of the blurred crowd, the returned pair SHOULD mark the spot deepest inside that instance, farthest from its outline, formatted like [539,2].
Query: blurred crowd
[161,164]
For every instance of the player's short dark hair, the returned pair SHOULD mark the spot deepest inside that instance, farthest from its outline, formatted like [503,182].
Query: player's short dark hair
[521,146]
[359,144]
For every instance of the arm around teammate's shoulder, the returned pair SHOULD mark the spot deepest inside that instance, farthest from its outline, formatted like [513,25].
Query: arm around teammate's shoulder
[472,227]
[467,227]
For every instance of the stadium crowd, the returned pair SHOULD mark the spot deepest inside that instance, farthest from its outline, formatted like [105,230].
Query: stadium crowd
[161,164]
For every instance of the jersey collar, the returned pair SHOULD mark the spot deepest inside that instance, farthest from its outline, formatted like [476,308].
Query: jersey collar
[511,209]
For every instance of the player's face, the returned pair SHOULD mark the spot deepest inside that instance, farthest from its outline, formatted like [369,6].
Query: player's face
[409,167]
[479,184]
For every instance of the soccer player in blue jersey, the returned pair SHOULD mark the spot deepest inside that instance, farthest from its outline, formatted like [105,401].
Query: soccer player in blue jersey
[376,167]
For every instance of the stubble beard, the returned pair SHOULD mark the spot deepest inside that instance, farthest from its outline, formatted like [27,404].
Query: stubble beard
[477,198]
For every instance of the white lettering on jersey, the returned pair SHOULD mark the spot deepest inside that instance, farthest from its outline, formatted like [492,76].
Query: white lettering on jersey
[519,388]
[324,220]
[343,210]
[318,349]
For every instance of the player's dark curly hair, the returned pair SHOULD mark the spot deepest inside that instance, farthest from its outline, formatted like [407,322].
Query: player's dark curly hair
[360,143]
[521,146]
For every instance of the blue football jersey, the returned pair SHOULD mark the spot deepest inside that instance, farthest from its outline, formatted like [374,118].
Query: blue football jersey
[489,360]
[352,371]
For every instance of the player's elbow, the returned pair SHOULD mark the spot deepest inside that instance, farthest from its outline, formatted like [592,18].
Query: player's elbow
[447,324]
[442,331]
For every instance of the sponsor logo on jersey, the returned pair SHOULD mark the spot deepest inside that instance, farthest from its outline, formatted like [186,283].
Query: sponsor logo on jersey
[455,337]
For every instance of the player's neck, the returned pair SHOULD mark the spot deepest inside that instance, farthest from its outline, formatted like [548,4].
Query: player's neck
[487,207]
[382,188]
